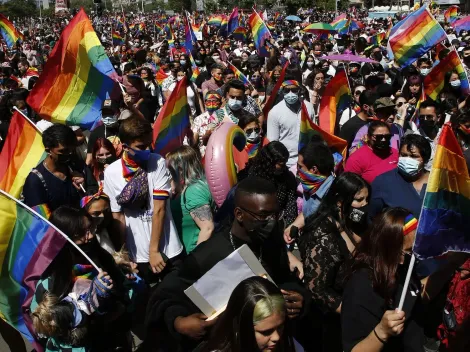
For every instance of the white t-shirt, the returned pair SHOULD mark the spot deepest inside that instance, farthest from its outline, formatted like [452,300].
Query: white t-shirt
[139,222]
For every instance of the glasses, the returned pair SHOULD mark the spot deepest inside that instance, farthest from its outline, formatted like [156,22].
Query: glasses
[251,130]
[400,104]
[426,117]
[358,92]
[293,90]
[380,137]
[273,216]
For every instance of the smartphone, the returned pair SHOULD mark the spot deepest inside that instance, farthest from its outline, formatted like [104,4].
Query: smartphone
[294,232]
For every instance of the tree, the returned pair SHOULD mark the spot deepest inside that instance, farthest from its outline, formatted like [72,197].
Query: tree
[210,6]
[19,8]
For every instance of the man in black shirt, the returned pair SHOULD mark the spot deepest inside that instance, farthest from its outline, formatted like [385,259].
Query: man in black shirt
[256,225]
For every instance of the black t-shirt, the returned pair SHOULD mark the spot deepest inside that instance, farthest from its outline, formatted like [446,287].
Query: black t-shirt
[59,192]
[100,132]
[362,309]
[350,128]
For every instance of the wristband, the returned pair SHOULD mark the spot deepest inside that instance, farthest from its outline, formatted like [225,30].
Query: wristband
[378,338]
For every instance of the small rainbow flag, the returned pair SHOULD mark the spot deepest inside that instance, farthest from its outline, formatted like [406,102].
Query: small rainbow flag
[260,33]
[435,80]
[308,128]
[23,150]
[239,74]
[340,21]
[272,98]
[415,36]
[76,78]
[335,99]
[29,244]
[215,20]
[450,15]
[240,34]
[9,33]
[233,22]
[158,27]
[350,25]
[172,123]
[462,24]
[169,32]
[142,26]
[252,149]
[377,39]
[117,39]
[444,220]
[43,210]
[160,76]
[194,68]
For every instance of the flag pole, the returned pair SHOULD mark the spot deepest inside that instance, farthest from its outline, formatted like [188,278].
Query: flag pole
[407,282]
[54,227]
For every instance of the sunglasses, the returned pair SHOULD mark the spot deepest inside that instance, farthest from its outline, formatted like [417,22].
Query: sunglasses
[426,117]
[400,104]
[293,90]
[251,130]
[273,216]
[358,92]
[380,137]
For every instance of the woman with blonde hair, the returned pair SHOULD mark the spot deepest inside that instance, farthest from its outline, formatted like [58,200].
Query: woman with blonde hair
[192,202]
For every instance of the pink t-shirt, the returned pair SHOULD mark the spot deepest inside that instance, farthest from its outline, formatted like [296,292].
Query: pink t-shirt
[369,165]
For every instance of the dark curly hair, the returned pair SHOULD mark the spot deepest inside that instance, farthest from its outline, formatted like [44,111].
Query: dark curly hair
[264,163]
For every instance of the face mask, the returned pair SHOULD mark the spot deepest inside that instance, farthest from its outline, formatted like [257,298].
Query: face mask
[408,166]
[287,55]
[212,106]
[245,48]
[90,246]
[97,221]
[253,137]
[255,80]
[310,181]
[381,145]
[388,81]
[291,98]
[234,104]
[425,71]
[183,62]
[109,120]
[179,78]
[429,127]
[310,64]
[262,230]
[62,158]
[455,83]
[466,59]
[358,215]
[141,157]
[106,161]
[216,58]
[198,62]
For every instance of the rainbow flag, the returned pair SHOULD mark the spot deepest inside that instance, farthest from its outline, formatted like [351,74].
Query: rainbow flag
[117,39]
[272,98]
[43,210]
[240,34]
[160,76]
[335,99]
[462,24]
[215,20]
[450,15]
[260,33]
[194,68]
[445,216]
[158,27]
[349,26]
[377,39]
[435,80]
[28,246]
[76,78]
[9,33]
[22,151]
[308,128]
[233,21]
[189,35]
[168,32]
[340,21]
[142,26]
[239,75]
[415,36]
[172,123]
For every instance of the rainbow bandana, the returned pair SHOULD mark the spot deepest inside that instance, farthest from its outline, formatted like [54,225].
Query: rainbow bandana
[290,82]
[129,166]
[212,105]
[83,271]
[87,199]
[310,181]
[252,149]
[410,225]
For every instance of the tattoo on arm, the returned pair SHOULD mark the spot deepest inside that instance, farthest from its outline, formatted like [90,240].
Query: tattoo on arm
[203,213]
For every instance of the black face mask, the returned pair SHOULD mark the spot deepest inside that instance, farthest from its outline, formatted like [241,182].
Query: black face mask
[429,127]
[106,161]
[262,230]
[90,247]
[358,215]
[63,158]
[381,145]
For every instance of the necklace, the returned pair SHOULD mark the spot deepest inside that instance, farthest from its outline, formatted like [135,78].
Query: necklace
[235,247]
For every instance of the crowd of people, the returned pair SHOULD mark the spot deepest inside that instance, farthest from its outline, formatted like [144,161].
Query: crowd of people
[334,233]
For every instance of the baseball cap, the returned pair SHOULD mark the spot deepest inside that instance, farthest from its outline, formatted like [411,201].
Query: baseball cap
[383,103]
[109,105]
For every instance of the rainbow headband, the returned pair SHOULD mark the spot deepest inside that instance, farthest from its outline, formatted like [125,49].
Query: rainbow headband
[410,225]
[87,199]
[213,96]
[290,82]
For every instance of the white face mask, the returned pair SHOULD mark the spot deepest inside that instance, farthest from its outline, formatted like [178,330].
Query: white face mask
[179,78]
[291,98]
[253,137]
[235,104]
[455,83]
[310,64]
[388,81]
[425,71]
[287,55]
[408,166]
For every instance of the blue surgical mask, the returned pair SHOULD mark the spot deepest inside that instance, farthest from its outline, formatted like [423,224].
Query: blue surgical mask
[455,83]
[141,157]
[388,81]
[291,98]
[425,71]
[183,62]
[408,166]
[234,104]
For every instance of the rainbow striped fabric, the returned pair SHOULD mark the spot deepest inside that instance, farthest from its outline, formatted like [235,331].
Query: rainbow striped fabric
[117,39]
[260,33]
[9,33]
[215,20]
[43,210]
[233,22]
[335,99]
[310,181]
[462,24]
[349,26]
[240,34]
[22,151]
[238,74]
[340,21]
[195,70]
[172,123]
[188,35]
[414,36]
[308,128]
[450,15]
[158,28]
[28,245]
[160,194]
[76,79]
[252,149]
[377,39]
[434,82]
[445,216]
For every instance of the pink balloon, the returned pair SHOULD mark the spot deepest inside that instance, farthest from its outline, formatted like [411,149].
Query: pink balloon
[219,165]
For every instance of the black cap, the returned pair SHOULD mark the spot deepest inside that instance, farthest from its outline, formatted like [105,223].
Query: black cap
[110,105]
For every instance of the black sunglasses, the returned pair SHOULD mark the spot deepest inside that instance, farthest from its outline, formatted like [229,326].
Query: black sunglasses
[251,130]
[293,90]
[382,136]
[358,92]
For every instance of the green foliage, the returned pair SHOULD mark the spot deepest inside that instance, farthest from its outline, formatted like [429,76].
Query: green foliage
[156,5]
[210,6]
[19,8]
[86,4]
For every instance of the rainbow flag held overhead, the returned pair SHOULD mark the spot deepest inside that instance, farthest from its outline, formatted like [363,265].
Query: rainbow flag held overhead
[260,33]
[172,123]
[350,26]
[240,34]
[233,22]
[445,216]
[117,39]
[335,99]
[377,39]
[188,35]
[215,20]
[76,78]
[450,15]
[308,128]
[272,98]
[23,150]
[340,21]
[414,36]
[158,28]
[434,82]
[462,24]
[168,32]
[28,246]
[238,74]
[194,68]
[9,33]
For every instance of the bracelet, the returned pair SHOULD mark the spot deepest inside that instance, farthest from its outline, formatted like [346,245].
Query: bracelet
[378,338]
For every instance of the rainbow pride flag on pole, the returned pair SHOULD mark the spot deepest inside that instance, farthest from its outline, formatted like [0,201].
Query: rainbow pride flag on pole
[260,33]
[414,36]
[462,24]
[435,80]
[240,34]
[340,21]
[335,99]
[445,217]
[195,70]
[172,123]
[188,35]
[215,20]
[450,15]
[233,22]
[117,39]
[239,75]
[76,79]
[28,244]
[22,151]
[9,33]
[308,128]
